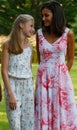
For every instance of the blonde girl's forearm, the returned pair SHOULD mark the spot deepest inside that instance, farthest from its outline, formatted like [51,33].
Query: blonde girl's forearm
[6,82]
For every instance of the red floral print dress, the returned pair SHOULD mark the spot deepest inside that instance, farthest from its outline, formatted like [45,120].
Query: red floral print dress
[55,107]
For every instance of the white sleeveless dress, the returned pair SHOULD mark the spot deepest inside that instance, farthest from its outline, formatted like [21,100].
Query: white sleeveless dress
[55,107]
[20,75]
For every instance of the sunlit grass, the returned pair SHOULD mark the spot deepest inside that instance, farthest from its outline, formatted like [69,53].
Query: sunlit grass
[3,116]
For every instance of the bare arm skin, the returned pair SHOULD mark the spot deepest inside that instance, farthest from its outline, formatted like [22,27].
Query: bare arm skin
[37,48]
[70,49]
[5,60]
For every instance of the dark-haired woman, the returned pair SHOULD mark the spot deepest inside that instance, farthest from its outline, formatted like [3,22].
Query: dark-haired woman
[55,107]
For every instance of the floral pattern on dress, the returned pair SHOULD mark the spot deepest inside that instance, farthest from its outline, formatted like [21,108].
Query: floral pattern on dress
[55,107]
[19,65]
[21,82]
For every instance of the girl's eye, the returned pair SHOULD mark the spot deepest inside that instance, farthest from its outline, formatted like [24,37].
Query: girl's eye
[31,25]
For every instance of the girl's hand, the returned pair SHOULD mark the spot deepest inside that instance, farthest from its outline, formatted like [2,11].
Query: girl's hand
[12,102]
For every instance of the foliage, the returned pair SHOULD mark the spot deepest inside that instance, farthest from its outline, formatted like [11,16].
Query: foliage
[32,41]
[70,9]
[74,26]
[10,9]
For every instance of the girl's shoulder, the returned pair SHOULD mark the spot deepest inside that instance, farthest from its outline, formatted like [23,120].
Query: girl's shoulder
[5,45]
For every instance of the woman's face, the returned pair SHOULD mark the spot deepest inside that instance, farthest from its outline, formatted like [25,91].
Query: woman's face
[47,17]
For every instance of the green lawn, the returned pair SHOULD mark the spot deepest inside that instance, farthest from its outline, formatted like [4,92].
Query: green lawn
[3,118]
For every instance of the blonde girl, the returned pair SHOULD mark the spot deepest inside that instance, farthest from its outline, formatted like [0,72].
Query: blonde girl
[17,74]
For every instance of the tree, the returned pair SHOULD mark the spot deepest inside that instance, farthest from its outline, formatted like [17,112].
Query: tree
[10,9]
[70,9]
[74,26]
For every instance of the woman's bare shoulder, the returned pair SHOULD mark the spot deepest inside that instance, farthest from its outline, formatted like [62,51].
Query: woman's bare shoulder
[70,33]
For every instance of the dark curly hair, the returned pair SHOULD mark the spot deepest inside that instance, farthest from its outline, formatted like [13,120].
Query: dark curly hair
[59,21]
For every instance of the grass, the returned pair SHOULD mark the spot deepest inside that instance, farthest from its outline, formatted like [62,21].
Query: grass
[3,118]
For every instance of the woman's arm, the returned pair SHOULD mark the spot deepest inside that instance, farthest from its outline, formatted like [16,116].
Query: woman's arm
[70,49]
[4,69]
[37,49]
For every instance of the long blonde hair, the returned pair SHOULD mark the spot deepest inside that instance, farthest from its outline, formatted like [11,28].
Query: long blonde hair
[14,42]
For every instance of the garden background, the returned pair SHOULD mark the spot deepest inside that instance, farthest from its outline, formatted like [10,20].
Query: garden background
[9,10]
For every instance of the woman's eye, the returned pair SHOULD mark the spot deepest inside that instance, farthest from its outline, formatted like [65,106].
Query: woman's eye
[46,15]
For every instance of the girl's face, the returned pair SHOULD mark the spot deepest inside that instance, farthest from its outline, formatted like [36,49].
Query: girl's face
[47,17]
[28,28]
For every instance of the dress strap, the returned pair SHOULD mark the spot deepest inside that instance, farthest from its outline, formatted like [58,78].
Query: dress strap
[66,31]
[39,31]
